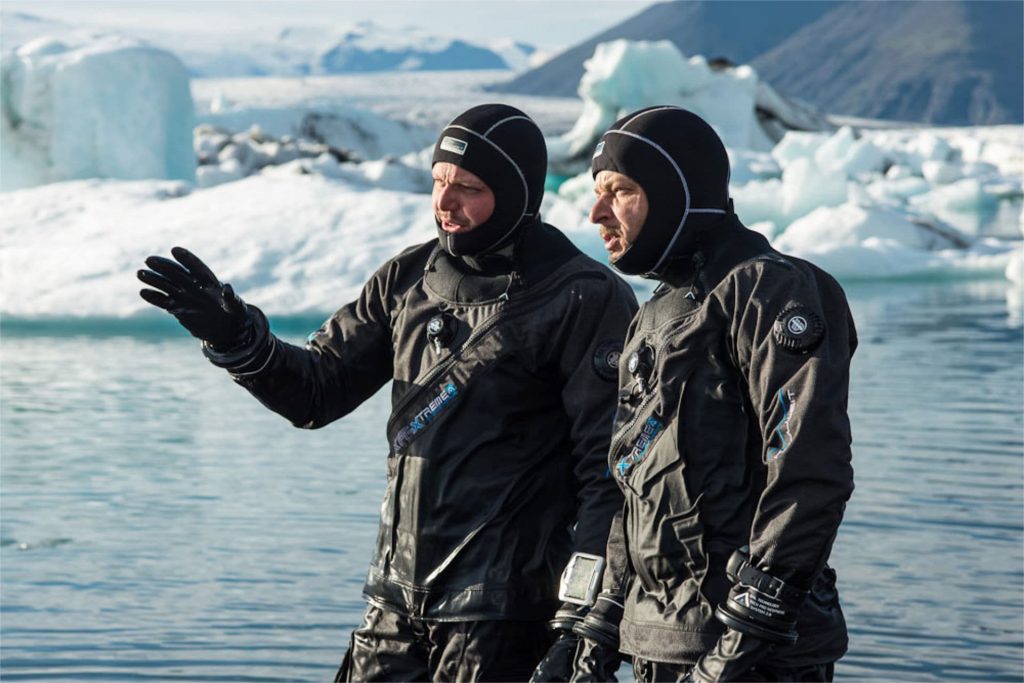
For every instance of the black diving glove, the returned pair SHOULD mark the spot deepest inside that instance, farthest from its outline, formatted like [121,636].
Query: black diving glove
[557,664]
[188,290]
[597,658]
[730,659]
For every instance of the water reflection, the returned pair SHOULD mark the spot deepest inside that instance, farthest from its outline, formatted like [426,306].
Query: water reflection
[159,523]
[929,553]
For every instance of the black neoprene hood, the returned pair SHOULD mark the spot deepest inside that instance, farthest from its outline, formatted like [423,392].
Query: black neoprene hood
[504,148]
[682,166]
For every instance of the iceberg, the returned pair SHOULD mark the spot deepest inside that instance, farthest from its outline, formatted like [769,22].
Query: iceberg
[623,76]
[110,108]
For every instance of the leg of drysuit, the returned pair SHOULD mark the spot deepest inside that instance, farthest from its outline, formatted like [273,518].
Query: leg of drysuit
[387,647]
[487,650]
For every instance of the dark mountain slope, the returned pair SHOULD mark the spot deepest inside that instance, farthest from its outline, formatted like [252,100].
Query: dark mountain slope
[955,62]
[930,62]
[737,31]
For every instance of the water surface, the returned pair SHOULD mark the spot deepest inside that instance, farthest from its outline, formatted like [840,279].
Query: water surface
[158,523]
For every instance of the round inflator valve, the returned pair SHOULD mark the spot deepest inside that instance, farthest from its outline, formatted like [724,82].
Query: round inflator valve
[641,365]
[441,330]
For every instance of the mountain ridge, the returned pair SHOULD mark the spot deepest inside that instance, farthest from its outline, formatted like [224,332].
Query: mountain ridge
[956,62]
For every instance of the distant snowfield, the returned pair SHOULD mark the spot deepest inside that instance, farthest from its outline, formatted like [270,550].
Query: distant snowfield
[310,46]
[290,243]
[300,235]
[429,100]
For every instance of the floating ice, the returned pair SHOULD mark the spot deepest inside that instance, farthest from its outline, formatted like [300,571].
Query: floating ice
[299,230]
[112,108]
[623,76]
[288,242]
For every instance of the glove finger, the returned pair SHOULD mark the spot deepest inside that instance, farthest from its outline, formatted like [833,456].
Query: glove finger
[158,281]
[199,270]
[158,299]
[231,303]
[173,271]
[191,299]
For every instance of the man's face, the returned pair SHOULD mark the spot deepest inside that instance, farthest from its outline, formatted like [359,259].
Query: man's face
[461,200]
[620,210]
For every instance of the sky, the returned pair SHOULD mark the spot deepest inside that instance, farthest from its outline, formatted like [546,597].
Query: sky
[547,24]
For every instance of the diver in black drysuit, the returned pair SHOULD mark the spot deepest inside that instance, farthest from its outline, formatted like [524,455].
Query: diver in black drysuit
[501,345]
[731,442]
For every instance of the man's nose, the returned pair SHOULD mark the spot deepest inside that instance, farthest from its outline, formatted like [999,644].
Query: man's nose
[446,199]
[599,211]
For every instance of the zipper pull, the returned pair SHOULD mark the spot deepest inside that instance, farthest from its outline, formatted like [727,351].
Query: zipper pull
[513,279]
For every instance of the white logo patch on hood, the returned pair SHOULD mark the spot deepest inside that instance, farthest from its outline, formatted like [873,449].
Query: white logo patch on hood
[453,145]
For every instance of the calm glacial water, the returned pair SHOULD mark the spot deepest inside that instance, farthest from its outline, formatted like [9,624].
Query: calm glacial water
[158,523]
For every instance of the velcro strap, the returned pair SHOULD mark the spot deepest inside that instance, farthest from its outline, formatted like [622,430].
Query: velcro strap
[749,575]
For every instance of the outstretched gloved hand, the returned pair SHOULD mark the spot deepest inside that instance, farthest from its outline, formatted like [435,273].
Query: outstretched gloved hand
[188,290]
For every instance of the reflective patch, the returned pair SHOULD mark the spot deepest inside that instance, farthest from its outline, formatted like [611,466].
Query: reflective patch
[424,417]
[641,446]
[605,360]
[598,149]
[453,145]
[782,435]
[798,329]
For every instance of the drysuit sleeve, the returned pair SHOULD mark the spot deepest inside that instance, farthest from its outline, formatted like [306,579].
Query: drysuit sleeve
[342,364]
[793,338]
[592,336]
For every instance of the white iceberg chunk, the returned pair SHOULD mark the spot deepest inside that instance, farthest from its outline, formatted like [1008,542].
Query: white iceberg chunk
[851,225]
[797,145]
[941,172]
[113,108]
[806,185]
[623,76]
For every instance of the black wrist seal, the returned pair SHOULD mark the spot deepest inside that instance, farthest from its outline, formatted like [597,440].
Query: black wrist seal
[253,343]
[759,603]
[567,616]
[601,624]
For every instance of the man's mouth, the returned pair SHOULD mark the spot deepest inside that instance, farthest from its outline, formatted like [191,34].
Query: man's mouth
[451,226]
[613,240]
